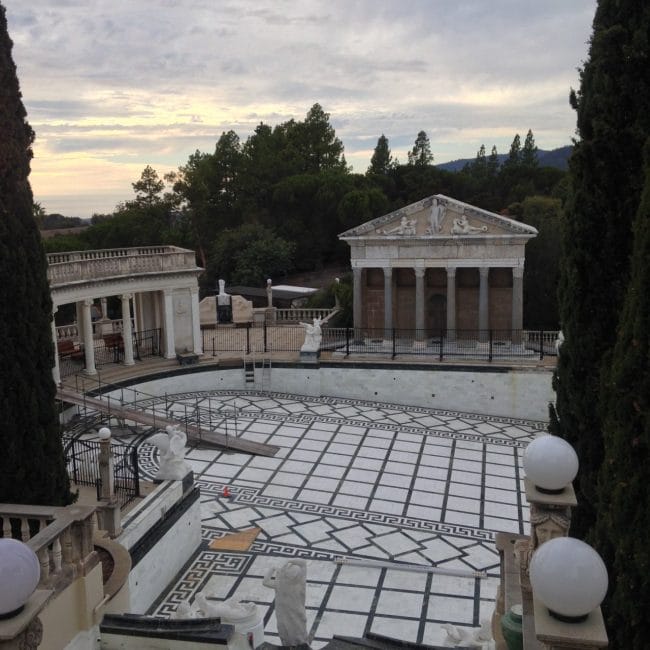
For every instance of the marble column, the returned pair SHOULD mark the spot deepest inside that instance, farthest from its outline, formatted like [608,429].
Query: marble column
[388,303]
[483,303]
[89,342]
[56,369]
[196,321]
[419,303]
[127,329]
[451,303]
[357,298]
[170,346]
[517,303]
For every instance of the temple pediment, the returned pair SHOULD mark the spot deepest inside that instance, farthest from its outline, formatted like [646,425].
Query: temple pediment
[439,216]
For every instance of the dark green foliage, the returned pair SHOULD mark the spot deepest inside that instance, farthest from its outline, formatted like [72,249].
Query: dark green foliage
[248,255]
[32,468]
[381,161]
[421,155]
[606,178]
[542,269]
[624,490]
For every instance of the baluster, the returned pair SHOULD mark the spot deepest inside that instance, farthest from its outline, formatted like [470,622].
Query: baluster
[44,561]
[24,529]
[67,551]
[56,555]
[6,527]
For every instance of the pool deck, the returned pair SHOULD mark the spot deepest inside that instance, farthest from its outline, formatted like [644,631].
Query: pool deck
[354,479]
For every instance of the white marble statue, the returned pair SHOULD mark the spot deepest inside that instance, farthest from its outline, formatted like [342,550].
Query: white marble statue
[462,226]
[290,584]
[480,637]
[406,227]
[558,342]
[171,446]
[269,293]
[231,609]
[222,297]
[436,217]
[313,336]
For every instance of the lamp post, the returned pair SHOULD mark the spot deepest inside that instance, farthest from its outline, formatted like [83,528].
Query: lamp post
[569,581]
[20,602]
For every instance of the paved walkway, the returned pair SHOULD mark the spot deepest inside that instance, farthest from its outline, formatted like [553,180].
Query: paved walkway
[363,480]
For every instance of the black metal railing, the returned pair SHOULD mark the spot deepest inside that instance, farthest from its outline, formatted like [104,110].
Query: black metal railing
[440,345]
[82,459]
[110,349]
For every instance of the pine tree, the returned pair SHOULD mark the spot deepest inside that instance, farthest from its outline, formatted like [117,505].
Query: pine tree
[514,155]
[421,155]
[529,152]
[493,162]
[32,468]
[606,176]
[382,161]
[624,504]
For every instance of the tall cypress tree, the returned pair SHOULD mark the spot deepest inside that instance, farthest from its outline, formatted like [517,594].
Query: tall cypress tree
[623,523]
[32,469]
[606,176]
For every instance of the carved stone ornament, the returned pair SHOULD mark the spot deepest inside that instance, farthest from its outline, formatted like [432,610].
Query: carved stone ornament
[461,226]
[171,446]
[406,227]
[32,636]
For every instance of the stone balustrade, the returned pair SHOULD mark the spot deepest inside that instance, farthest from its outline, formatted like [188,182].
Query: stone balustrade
[72,331]
[60,537]
[82,266]
[306,314]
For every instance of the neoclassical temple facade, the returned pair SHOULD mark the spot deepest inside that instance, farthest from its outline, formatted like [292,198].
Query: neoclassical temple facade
[439,267]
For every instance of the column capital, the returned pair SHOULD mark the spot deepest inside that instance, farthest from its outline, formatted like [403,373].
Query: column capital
[483,271]
[517,271]
[419,271]
[194,291]
[168,293]
[88,302]
[127,296]
[388,271]
[451,271]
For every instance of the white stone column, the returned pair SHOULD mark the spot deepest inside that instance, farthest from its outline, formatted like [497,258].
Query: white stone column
[388,303]
[419,303]
[56,369]
[357,298]
[127,330]
[483,303]
[170,346]
[451,303]
[517,303]
[104,308]
[196,321]
[89,342]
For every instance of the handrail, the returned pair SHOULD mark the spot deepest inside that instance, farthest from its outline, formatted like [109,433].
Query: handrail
[62,541]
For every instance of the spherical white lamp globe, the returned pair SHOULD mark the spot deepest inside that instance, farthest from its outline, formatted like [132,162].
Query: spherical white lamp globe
[20,572]
[569,577]
[551,463]
[104,433]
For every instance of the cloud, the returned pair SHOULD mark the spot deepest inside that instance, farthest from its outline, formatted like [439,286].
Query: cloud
[149,82]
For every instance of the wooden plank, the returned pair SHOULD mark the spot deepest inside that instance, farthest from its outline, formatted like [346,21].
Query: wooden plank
[195,435]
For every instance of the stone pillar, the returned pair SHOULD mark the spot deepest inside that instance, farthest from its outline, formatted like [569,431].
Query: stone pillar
[56,370]
[518,304]
[170,346]
[107,490]
[483,303]
[104,308]
[357,298]
[388,303]
[88,341]
[419,303]
[196,321]
[127,330]
[451,303]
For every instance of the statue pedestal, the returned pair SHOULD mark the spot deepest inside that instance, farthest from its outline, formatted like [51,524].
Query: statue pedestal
[309,356]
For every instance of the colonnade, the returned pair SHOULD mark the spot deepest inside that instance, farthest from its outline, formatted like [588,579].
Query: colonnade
[87,337]
[420,271]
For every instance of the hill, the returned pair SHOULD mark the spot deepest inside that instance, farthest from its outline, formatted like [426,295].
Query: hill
[554,158]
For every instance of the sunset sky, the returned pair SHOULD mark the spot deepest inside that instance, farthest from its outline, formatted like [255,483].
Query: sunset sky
[113,86]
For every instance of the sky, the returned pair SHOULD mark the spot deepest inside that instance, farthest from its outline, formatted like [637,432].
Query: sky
[111,86]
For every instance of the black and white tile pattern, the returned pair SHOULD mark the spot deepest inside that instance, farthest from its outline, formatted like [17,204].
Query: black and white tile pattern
[355,479]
